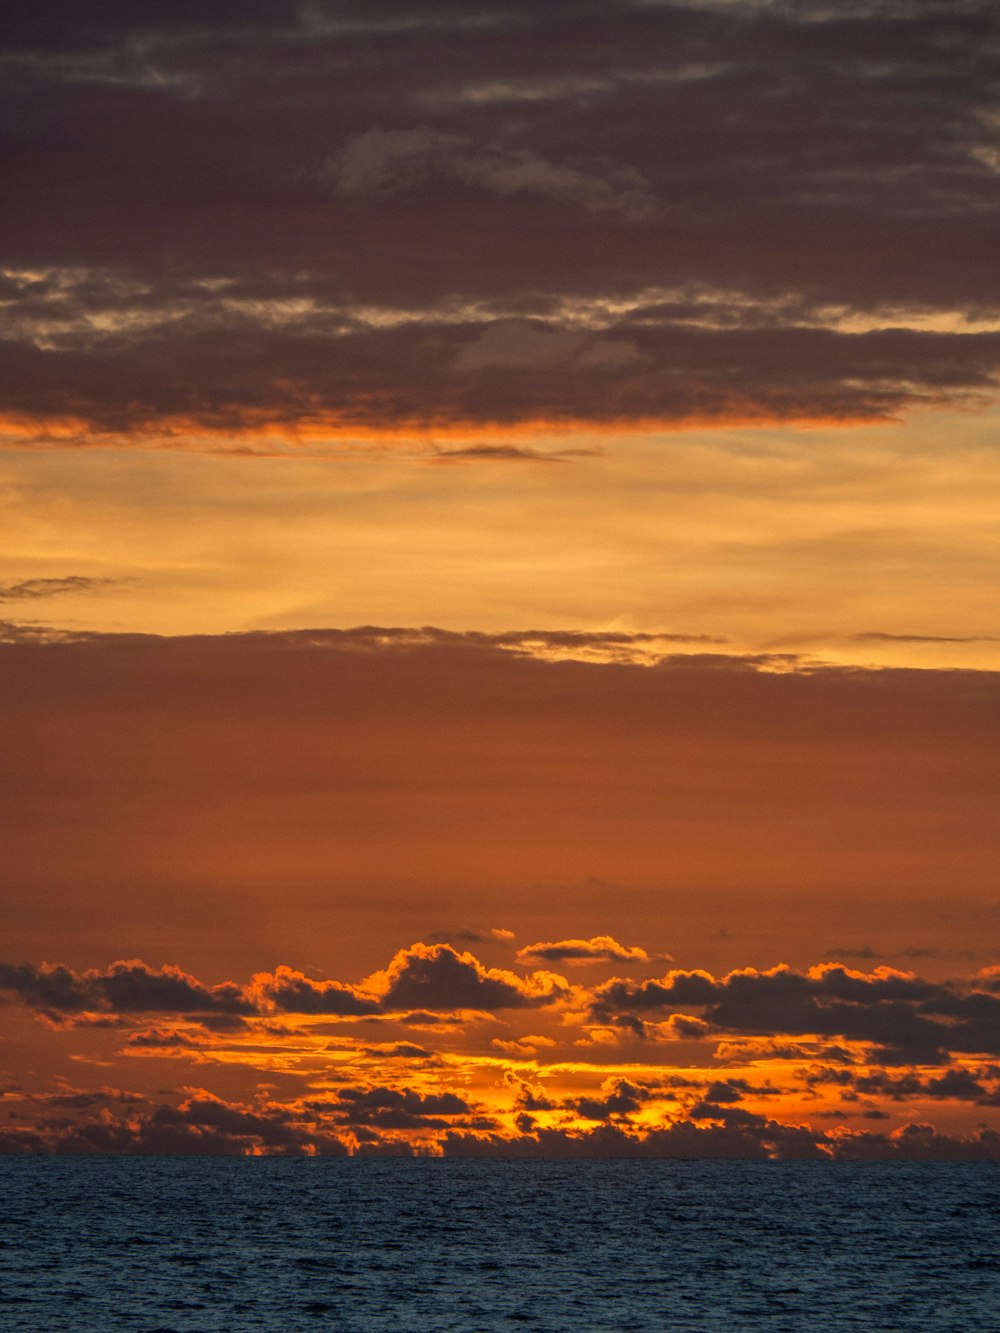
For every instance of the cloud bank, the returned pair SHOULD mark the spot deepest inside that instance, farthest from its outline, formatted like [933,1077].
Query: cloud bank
[833,1048]
[643,215]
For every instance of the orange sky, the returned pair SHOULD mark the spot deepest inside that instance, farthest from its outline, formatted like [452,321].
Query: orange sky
[498,580]
[315,802]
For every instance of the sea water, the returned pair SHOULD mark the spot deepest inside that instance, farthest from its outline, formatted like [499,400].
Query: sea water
[241,1244]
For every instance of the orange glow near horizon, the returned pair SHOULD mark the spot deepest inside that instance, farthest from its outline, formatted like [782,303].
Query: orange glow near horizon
[339,1088]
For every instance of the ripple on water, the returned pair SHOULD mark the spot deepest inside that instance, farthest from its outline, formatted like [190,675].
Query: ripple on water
[194,1245]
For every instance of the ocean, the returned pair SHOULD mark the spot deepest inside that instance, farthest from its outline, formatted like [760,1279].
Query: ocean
[198,1245]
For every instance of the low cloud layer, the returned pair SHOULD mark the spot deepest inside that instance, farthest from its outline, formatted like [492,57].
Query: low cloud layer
[832,1050]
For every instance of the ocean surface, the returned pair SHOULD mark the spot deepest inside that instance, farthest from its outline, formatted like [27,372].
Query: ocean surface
[236,1244]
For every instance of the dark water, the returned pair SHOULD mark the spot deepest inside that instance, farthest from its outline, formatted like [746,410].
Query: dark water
[247,1244]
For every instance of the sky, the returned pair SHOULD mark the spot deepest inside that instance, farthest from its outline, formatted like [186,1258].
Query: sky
[498,578]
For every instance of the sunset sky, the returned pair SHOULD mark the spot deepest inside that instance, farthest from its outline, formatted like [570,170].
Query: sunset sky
[499,570]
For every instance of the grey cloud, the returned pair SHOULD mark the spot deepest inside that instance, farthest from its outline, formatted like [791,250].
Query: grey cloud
[600,949]
[248,374]
[746,1138]
[391,1109]
[621,1099]
[156,1039]
[400,1050]
[31,590]
[126,987]
[876,636]
[292,992]
[503,453]
[959,1084]
[906,1017]
[438,978]
[523,345]
[509,164]
[380,164]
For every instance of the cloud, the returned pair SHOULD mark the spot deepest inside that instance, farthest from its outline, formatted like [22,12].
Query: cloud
[895,1011]
[437,977]
[466,935]
[599,949]
[224,383]
[489,232]
[383,164]
[526,345]
[426,979]
[879,637]
[959,1084]
[502,453]
[200,1124]
[399,1050]
[620,1098]
[865,953]
[389,1108]
[754,1139]
[907,1017]
[522,1047]
[40,589]
[164,1039]
[126,987]
[681,1027]
[293,992]
[378,1119]
[513,1095]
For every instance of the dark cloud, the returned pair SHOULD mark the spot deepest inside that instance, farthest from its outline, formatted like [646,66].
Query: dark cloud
[421,1018]
[879,637]
[753,1139]
[906,1017]
[705,1117]
[46,987]
[436,977]
[620,1098]
[133,987]
[126,987]
[400,1050]
[599,949]
[921,1143]
[953,1083]
[79,1099]
[155,1039]
[188,378]
[428,979]
[202,1124]
[865,953]
[32,590]
[566,177]
[389,1108]
[295,993]
[503,453]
